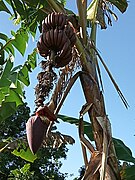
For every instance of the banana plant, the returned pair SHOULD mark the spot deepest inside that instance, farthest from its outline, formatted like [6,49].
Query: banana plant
[103,162]
[70,52]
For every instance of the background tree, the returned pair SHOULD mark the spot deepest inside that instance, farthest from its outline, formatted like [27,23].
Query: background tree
[46,166]
[86,51]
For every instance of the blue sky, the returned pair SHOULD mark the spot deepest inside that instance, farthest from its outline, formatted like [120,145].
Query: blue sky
[116,45]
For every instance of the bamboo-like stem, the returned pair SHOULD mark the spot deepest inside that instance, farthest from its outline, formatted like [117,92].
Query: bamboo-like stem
[81,50]
[92,93]
[82,9]
[55,6]
[93,32]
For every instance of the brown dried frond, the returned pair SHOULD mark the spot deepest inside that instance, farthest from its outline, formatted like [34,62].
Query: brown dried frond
[56,139]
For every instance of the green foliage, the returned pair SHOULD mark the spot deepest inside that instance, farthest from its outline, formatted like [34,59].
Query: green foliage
[24,173]
[16,128]
[128,172]
[20,40]
[10,129]
[14,159]
[120,4]
[9,96]
[29,13]
[1,54]
[12,81]
[122,151]
[3,7]
[25,154]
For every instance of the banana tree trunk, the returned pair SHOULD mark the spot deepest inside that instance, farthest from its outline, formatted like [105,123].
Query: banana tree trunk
[107,166]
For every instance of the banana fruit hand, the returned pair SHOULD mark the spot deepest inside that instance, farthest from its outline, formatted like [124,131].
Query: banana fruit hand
[58,35]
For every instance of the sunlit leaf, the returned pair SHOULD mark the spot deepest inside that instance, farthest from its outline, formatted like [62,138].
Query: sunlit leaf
[12,83]
[23,75]
[20,88]
[2,97]
[26,68]
[27,155]
[9,103]
[20,41]
[5,90]
[14,97]
[92,10]
[8,45]
[13,78]
[17,145]
[32,59]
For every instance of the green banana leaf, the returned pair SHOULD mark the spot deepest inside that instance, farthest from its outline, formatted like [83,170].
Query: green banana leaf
[122,151]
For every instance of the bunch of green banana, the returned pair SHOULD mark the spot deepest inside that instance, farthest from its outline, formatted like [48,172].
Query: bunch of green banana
[58,35]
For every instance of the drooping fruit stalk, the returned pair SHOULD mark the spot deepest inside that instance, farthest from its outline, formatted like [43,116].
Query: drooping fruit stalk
[55,43]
